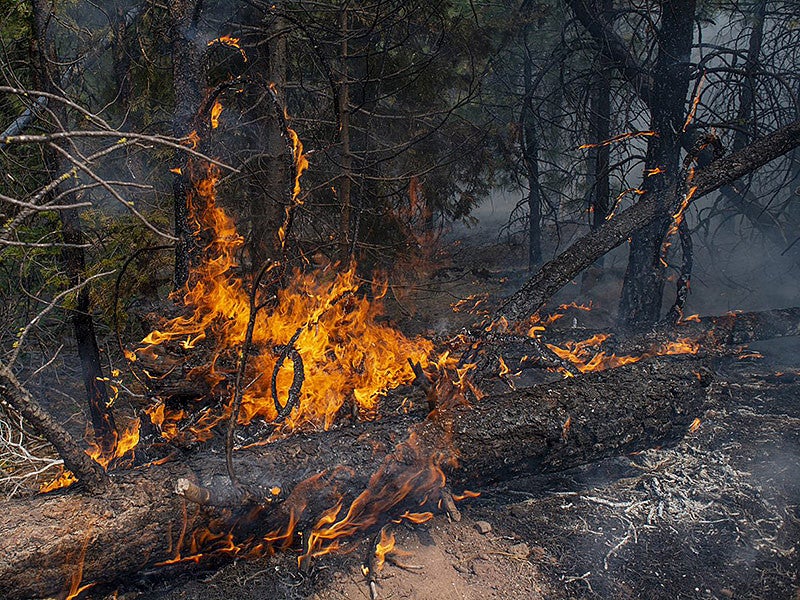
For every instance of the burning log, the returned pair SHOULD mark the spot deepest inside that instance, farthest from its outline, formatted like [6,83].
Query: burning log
[53,538]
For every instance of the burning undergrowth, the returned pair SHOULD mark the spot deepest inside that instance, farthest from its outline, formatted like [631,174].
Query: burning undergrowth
[296,354]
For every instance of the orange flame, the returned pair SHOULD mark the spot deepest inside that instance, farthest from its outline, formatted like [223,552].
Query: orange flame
[335,331]
[587,357]
[618,138]
[230,42]
[122,445]
[384,547]
[216,110]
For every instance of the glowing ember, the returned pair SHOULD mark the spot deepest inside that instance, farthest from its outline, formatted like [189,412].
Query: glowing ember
[695,425]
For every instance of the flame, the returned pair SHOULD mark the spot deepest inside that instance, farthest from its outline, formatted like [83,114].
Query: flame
[695,425]
[587,356]
[618,199]
[102,454]
[346,353]
[504,370]
[383,547]
[216,110]
[230,42]
[465,494]
[192,140]
[166,420]
[695,102]
[75,587]
[410,470]
[300,160]
[618,138]
[655,171]
[65,478]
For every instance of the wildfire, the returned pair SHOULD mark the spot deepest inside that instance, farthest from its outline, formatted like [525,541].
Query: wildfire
[216,111]
[345,352]
[384,547]
[618,138]
[121,446]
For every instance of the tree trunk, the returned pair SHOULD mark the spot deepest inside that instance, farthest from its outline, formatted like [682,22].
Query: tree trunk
[600,130]
[270,189]
[561,270]
[748,127]
[643,286]
[140,521]
[72,252]
[530,155]
[346,245]
[187,82]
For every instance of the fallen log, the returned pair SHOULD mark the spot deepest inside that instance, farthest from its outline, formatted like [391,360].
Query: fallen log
[139,521]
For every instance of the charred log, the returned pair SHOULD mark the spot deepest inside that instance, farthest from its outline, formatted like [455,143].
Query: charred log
[546,428]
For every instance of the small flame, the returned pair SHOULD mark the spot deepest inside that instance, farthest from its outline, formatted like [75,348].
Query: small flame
[230,42]
[587,356]
[122,445]
[695,102]
[216,110]
[695,425]
[618,138]
[384,547]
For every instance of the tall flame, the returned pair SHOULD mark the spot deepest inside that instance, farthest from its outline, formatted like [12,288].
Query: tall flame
[345,351]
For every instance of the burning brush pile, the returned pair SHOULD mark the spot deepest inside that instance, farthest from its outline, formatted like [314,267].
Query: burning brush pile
[278,357]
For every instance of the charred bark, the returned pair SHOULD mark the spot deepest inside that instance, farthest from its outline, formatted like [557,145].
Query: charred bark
[643,286]
[561,270]
[546,428]
[187,86]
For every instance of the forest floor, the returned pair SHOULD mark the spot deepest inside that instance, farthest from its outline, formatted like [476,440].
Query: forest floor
[716,517]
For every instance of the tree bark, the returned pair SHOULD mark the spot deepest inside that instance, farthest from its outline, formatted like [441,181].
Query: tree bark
[643,286]
[546,428]
[270,188]
[187,75]
[558,272]
[530,156]
[346,244]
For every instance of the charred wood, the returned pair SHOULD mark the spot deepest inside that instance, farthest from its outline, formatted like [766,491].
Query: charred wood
[547,428]
[561,270]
